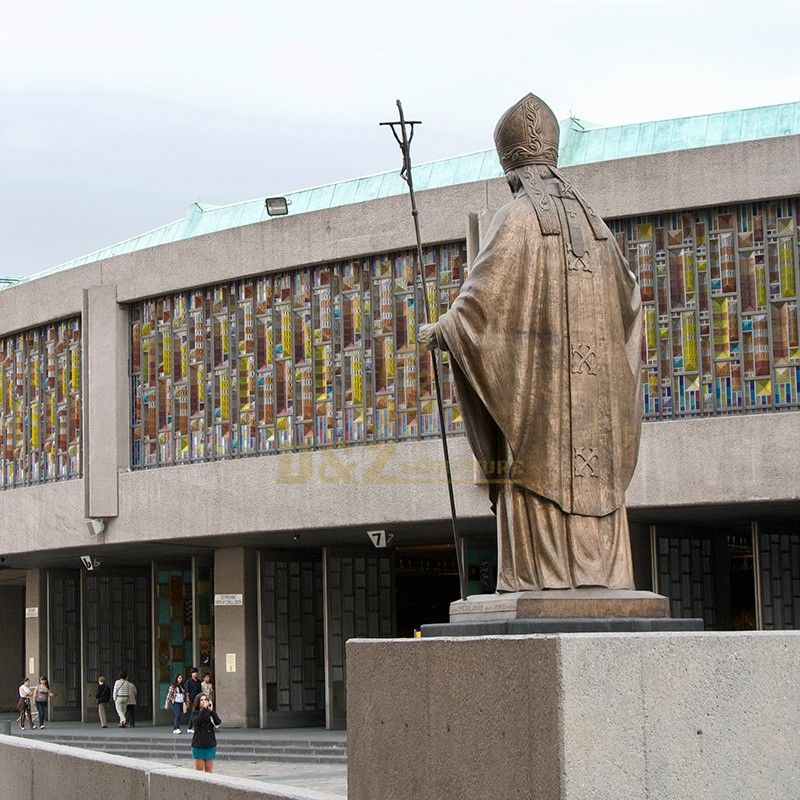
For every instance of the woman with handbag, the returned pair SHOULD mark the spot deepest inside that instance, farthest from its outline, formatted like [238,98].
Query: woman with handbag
[24,704]
[176,697]
[204,740]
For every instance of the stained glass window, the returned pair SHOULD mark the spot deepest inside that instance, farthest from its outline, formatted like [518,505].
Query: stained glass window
[291,361]
[719,288]
[40,404]
[327,355]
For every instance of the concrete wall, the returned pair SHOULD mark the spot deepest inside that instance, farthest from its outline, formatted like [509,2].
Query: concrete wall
[12,652]
[382,484]
[575,717]
[40,771]
[385,485]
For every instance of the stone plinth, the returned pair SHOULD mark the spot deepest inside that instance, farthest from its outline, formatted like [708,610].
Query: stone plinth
[561,603]
[575,717]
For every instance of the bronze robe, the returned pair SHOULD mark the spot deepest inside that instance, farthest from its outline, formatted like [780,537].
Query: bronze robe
[545,338]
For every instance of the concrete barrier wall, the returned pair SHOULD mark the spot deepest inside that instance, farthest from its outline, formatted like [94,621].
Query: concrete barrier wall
[41,771]
[649,716]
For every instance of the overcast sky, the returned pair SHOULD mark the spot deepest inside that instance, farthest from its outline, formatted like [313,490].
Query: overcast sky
[115,117]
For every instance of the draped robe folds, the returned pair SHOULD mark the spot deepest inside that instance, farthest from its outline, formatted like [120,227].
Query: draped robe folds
[546,348]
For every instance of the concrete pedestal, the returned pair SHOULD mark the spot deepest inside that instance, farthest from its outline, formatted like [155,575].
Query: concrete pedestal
[634,716]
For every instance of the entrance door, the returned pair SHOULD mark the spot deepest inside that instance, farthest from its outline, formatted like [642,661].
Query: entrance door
[118,633]
[360,604]
[293,639]
[64,625]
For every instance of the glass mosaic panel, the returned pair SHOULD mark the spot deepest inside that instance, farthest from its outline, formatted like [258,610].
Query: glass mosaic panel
[174,625]
[291,361]
[40,404]
[327,355]
[719,288]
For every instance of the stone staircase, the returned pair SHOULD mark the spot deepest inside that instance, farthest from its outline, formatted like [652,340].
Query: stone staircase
[238,748]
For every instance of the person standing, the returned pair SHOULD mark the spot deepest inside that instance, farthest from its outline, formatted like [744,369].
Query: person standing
[102,697]
[193,689]
[120,695]
[24,704]
[204,741]
[176,697]
[130,711]
[41,695]
[208,689]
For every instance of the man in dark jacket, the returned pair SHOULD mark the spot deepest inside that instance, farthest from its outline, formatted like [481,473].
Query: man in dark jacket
[194,687]
[102,697]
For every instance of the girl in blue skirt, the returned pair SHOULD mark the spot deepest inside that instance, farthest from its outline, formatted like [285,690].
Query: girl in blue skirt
[204,740]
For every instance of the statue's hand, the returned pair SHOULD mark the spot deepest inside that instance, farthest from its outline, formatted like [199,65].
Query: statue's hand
[427,337]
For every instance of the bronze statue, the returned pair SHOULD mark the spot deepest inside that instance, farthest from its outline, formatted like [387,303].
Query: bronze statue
[545,345]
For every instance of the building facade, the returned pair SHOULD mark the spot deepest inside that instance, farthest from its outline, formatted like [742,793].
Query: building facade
[241,400]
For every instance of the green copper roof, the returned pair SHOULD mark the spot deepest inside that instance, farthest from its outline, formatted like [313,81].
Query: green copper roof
[581,143]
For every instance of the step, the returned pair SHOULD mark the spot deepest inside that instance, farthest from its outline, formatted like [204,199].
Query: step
[232,744]
[304,744]
[231,751]
[178,753]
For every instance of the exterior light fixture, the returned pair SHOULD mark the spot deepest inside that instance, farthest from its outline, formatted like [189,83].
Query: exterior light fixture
[95,526]
[277,206]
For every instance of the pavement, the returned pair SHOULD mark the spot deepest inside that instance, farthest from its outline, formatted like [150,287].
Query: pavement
[329,778]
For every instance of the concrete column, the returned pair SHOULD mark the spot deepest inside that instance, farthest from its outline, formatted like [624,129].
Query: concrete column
[35,623]
[236,636]
[105,399]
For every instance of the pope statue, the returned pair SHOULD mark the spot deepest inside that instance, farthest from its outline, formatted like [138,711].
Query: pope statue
[545,348]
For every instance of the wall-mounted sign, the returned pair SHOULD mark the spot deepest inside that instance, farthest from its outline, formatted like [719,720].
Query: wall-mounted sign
[32,612]
[380,538]
[31,666]
[228,600]
[230,662]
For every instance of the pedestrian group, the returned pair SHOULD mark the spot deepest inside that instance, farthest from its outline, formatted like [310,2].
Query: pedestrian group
[193,698]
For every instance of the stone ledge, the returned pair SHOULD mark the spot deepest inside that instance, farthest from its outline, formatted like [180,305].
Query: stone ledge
[561,603]
[517,627]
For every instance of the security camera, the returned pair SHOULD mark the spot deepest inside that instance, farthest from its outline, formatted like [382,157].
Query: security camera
[95,526]
[90,563]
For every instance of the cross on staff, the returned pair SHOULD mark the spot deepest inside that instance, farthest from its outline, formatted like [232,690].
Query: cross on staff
[403,132]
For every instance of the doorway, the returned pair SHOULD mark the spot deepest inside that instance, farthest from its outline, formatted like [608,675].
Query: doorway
[426,582]
[708,571]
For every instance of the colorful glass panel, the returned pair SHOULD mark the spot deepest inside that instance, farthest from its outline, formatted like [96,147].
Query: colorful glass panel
[295,360]
[721,328]
[40,404]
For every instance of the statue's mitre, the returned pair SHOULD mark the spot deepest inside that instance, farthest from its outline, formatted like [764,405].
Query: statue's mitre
[527,134]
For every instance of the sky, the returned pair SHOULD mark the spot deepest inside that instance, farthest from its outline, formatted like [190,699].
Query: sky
[115,117]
